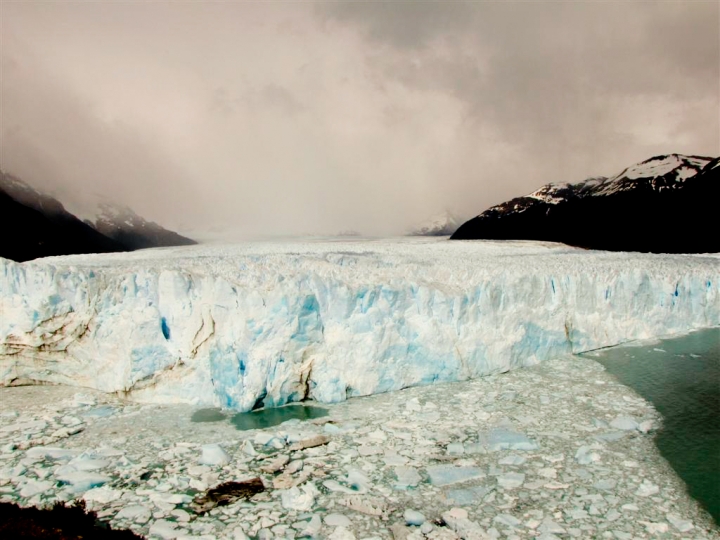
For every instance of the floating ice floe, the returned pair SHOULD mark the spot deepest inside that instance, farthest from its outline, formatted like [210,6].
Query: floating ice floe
[444,475]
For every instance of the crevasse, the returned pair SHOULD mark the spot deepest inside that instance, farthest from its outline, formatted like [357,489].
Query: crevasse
[240,326]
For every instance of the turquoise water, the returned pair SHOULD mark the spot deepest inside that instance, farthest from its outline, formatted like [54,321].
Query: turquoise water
[681,377]
[262,418]
[265,418]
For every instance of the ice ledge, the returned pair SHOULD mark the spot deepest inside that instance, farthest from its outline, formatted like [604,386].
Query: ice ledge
[236,326]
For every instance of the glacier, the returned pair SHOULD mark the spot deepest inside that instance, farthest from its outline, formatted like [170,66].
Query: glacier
[265,324]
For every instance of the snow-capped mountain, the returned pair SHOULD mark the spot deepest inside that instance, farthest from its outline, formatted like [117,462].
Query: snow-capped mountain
[663,204]
[439,225]
[123,225]
[34,225]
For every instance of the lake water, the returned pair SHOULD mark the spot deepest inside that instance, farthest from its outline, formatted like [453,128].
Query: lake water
[681,377]
[262,418]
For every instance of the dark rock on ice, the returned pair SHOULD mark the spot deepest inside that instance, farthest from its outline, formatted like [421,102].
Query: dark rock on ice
[227,493]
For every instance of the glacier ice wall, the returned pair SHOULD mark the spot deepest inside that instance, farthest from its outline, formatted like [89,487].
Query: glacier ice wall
[237,326]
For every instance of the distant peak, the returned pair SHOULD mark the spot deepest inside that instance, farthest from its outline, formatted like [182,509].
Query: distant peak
[677,158]
[442,224]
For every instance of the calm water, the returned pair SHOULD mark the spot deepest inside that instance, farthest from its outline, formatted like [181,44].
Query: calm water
[681,377]
[262,418]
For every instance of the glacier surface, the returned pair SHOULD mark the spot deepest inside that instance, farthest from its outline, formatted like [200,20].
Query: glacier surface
[275,322]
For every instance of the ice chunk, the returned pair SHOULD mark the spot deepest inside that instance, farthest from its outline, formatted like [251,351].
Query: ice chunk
[507,520]
[400,531]
[443,475]
[341,533]
[413,405]
[413,517]
[88,462]
[455,449]
[80,481]
[354,482]
[34,487]
[99,412]
[586,455]
[31,426]
[134,512]
[358,481]
[312,528]
[337,520]
[102,495]
[334,485]
[406,477]
[467,496]
[8,473]
[276,465]
[504,439]
[457,520]
[370,506]
[294,499]
[512,459]
[549,526]
[625,423]
[655,528]
[680,524]
[164,529]
[170,498]
[511,480]
[647,489]
[81,399]
[60,454]
[213,454]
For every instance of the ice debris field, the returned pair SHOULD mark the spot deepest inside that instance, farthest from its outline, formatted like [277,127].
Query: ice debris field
[266,324]
[555,451]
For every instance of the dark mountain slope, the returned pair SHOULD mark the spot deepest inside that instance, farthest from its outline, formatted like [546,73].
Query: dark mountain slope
[29,233]
[666,204]
[36,225]
[123,225]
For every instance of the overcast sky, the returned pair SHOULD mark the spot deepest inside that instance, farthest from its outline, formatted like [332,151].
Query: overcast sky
[298,117]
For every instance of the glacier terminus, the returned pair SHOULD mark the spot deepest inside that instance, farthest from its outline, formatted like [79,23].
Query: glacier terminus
[265,324]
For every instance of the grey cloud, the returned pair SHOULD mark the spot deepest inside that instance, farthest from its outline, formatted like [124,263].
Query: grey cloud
[403,24]
[277,96]
[51,138]
[291,118]
[557,79]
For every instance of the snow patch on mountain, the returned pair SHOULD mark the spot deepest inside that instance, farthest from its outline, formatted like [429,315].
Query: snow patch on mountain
[97,210]
[122,224]
[662,165]
[660,172]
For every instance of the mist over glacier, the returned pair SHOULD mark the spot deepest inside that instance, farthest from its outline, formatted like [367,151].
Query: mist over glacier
[260,118]
[246,325]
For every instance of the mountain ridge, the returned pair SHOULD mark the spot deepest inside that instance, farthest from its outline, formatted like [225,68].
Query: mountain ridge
[38,225]
[662,204]
[443,224]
